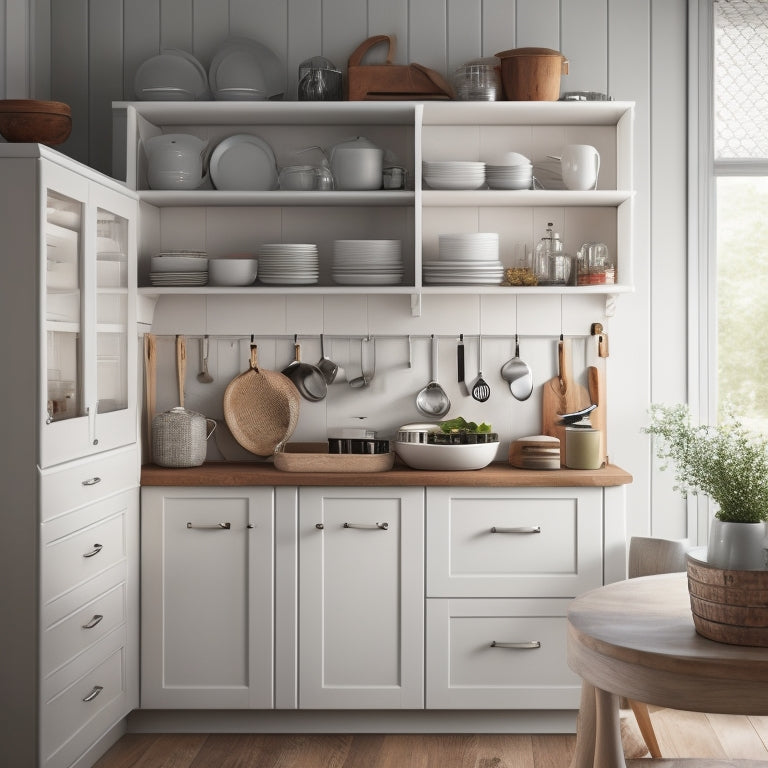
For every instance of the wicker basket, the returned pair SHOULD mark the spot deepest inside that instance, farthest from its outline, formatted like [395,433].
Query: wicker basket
[728,606]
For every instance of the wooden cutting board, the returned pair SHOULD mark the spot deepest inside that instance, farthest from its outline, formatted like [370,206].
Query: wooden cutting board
[596,380]
[561,395]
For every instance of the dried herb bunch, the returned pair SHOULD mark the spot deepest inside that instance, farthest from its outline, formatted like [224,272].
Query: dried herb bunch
[726,462]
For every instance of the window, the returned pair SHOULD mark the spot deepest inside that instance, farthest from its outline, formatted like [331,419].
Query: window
[740,229]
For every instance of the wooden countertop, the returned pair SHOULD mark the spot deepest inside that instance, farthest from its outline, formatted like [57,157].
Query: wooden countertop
[496,475]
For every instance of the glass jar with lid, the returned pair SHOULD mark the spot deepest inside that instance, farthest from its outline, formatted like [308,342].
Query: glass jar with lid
[552,265]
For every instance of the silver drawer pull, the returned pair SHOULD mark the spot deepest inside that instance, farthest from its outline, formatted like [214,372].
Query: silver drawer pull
[93,622]
[95,691]
[524,646]
[92,481]
[374,526]
[518,529]
[215,526]
[95,551]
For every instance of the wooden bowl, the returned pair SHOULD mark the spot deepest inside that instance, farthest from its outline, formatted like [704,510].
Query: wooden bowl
[28,120]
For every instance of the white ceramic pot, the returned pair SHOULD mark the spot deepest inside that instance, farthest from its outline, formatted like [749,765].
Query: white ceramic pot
[357,164]
[175,161]
[580,165]
[737,546]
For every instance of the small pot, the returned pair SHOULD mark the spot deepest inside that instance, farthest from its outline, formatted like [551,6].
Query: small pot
[357,164]
[179,438]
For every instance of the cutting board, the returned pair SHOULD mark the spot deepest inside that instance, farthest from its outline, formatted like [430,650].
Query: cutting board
[561,395]
[597,392]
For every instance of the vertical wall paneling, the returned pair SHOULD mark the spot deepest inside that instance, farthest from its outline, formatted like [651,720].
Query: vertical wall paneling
[105,76]
[464,32]
[390,17]
[345,26]
[69,70]
[176,25]
[427,25]
[584,41]
[538,24]
[40,55]
[499,27]
[265,22]
[305,38]
[210,27]
[15,31]
[141,30]
[668,278]
[5,58]
[629,364]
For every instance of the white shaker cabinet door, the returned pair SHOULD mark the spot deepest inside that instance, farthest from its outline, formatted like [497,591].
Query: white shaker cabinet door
[207,598]
[361,598]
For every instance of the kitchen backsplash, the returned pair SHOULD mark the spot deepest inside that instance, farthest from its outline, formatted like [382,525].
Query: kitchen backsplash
[390,400]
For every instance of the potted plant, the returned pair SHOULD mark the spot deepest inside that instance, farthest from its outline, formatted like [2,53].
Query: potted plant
[729,464]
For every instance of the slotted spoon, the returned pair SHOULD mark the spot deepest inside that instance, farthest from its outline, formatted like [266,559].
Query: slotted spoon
[480,389]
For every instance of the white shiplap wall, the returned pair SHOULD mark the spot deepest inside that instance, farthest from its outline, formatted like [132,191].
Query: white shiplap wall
[85,52]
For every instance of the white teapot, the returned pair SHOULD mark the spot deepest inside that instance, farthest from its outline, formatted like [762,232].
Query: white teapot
[175,161]
[356,164]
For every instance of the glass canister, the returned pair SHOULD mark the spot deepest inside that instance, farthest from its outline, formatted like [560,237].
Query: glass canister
[594,265]
[552,266]
[319,80]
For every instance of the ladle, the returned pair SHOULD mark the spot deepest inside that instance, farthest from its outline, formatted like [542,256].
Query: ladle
[366,374]
[480,389]
[325,365]
[518,375]
[204,377]
[432,400]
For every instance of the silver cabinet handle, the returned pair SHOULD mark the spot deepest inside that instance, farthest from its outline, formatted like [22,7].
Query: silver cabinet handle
[93,622]
[518,529]
[95,691]
[92,481]
[95,551]
[374,526]
[214,526]
[524,646]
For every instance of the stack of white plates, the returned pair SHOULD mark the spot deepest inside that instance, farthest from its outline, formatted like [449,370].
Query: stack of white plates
[482,246]
[511,171]
[470,258]
[172,76]
[177,268]
[367,262]
[288,264]
[454,174]
[245,70]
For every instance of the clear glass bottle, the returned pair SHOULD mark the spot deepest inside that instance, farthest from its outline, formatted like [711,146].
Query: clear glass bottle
[552,265]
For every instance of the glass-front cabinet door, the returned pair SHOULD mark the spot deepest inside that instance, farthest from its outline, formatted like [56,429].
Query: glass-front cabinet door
[88,307]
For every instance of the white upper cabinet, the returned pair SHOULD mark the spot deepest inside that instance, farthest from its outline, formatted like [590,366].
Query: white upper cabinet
[79,229]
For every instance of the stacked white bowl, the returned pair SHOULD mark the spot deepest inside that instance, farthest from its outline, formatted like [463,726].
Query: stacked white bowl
[454,174]
[470,258]
[510,170]
[179,268]
[367,262]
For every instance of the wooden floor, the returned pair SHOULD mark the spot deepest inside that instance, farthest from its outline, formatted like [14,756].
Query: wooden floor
[680,734]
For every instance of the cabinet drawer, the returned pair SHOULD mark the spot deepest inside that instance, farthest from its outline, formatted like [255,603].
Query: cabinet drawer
[525,669]
[83,544]
[83,700]
[78,483]
[522,542]
[74,632]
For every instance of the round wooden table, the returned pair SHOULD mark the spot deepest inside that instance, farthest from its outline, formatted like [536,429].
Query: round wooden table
[636,639]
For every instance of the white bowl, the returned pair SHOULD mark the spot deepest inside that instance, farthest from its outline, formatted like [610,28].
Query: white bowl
[446,457]
[232,271]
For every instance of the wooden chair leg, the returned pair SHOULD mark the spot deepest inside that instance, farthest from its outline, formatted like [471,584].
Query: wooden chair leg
[643,718]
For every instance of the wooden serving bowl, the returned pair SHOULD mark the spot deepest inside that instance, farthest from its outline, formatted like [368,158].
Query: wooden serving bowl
[29,120]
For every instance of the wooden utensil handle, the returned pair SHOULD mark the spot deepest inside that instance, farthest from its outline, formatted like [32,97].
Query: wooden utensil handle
[181,365]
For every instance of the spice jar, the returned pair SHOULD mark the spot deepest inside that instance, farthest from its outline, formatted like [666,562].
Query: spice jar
[594,266]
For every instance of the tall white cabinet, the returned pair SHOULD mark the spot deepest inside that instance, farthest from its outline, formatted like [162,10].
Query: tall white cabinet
[69,550]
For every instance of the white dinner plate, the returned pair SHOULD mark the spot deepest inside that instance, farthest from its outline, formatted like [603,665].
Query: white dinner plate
[244,63]
[243,162]
[170,70]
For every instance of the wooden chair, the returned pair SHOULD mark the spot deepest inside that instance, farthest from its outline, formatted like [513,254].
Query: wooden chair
[647,557]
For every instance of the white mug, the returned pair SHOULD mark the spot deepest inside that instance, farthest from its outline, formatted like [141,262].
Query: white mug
[580,165]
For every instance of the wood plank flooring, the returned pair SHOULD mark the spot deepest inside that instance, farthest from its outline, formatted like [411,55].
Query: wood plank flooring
[680,734]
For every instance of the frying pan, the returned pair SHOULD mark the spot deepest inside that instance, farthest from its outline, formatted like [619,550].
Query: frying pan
[261,408]
[307,378]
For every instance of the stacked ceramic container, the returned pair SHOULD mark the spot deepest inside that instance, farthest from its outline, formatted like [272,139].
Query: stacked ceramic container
[466,259]
[367,262]
[510,171]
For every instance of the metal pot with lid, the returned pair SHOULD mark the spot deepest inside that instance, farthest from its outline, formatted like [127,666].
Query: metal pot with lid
[357,164]
[179,437]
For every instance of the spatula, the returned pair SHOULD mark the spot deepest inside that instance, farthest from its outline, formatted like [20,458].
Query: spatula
[480,389]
